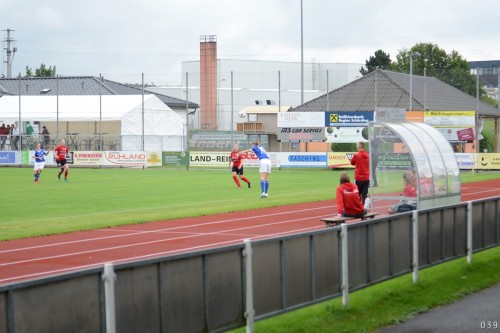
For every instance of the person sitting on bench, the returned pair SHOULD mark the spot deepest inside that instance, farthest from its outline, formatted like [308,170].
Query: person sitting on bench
[409,191]
[348,200]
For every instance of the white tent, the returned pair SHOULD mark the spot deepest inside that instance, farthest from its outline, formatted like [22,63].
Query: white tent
[163,127]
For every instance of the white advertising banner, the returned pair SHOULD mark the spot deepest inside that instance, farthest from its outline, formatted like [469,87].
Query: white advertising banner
[346,134]
[92,158]
[153,158]
[121,158]
[301,119]
[465,160]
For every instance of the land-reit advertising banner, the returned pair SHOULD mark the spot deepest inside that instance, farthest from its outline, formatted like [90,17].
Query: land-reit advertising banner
[221,159]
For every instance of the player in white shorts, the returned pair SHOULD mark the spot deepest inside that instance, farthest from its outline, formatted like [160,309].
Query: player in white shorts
[39,157]
[264,167]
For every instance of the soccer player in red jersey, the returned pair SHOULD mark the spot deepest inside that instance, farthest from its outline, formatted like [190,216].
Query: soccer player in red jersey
[61,152]
[236,165]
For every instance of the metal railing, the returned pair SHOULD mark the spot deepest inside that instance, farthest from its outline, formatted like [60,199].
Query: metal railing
[219,289]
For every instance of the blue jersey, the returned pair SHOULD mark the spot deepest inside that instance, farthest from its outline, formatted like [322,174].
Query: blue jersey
[260,152]
[40,155]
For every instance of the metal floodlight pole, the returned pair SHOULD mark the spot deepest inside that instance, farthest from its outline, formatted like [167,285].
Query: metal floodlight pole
[327,91]
[232,109]
[57,108]
[100,112]
[301,54]
[142,111]
[186,148]
[19,124]
[416,55]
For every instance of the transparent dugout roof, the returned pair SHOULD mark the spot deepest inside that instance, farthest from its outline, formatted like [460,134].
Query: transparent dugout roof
[406,155]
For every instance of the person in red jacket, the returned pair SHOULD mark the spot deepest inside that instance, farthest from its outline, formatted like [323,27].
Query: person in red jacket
[348,200]
[361,162]
[409,191]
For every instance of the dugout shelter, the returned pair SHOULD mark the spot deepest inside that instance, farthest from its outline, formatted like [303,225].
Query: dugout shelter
[416,152]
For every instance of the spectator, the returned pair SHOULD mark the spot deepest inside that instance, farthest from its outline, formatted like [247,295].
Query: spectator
[409,191]
[14,138]
[3,136]
[46,137]
[361,162]
[348,199]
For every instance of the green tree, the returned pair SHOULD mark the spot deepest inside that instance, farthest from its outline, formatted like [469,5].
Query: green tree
[29,72]
[41,71]
[451,68]
[380,59]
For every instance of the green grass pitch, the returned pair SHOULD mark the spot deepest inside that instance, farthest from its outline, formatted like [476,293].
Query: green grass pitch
[100,198]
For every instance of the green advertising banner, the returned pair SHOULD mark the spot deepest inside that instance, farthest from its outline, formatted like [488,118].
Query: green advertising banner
[175,158]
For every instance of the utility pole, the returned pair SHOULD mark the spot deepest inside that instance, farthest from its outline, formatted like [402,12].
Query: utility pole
[10,53]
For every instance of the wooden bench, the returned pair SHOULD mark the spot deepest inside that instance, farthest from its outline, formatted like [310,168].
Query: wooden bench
[336,220]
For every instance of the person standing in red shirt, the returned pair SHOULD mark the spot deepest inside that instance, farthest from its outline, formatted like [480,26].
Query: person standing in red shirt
[361,162]
[61,152]
[236,165]
[348,199]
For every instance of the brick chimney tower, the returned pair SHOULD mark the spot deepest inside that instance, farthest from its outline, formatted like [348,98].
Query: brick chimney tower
[208,82]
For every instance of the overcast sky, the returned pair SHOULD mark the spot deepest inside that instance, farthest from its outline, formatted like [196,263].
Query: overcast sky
[115,37]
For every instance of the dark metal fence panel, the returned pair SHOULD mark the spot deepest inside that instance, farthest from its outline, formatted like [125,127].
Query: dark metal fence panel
[183,295]
[298,268]
[379,249]
[401,234]
[435,235]
[449,221]
[490,213]
[460,230]
[358,254]
[477,225]
[72,305]
[137,299]
[327,264]
[423,241]
[224,289]
[267,279]
[3,312]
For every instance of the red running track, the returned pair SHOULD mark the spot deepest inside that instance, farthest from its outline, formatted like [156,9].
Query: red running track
[31,258]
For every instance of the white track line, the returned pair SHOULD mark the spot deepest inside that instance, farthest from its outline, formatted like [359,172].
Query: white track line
[141,232]
[159,241]
[152,255]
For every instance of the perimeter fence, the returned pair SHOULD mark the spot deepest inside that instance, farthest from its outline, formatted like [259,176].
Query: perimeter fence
[219,289]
